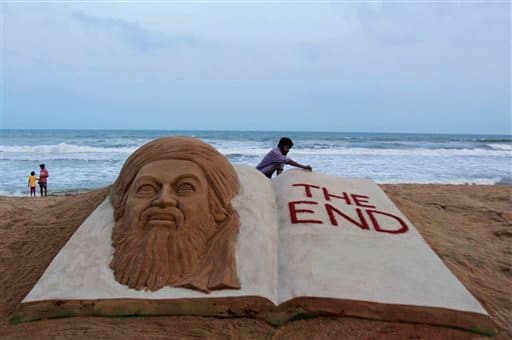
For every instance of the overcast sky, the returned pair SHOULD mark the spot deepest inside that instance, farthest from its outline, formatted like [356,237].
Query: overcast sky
[314,66]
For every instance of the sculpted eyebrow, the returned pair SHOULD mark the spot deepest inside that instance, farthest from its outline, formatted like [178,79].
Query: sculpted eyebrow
[145,179]
[188,176]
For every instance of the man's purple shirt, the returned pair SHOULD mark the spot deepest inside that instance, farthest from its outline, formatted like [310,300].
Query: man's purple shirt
[273,160]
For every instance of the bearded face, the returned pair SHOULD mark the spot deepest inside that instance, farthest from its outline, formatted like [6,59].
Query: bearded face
[166,227]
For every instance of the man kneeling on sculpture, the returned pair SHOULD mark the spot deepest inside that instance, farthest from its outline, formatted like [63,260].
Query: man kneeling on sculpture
[175,225]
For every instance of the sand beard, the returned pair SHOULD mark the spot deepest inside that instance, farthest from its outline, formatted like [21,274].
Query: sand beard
[151,256]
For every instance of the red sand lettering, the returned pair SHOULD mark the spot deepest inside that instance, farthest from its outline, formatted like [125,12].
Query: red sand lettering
[335,213]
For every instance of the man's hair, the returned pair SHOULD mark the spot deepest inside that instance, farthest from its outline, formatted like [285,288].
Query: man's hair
[41,165]
[222,178]
[285,141]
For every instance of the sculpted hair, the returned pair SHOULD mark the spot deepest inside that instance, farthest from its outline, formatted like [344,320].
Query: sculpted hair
[221,176]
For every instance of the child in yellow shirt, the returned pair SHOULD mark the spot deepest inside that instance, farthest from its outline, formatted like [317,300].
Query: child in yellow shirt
[32,180]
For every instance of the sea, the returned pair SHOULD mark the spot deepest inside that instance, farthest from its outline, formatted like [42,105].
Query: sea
[81,160]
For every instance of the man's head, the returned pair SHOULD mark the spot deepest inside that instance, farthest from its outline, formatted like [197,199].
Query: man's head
[41,166]
[285,144]
[172,207]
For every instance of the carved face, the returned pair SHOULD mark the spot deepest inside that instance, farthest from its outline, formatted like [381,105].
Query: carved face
[168,194]
[166,226]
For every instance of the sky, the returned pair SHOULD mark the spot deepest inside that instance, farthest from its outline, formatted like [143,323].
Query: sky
[348,66]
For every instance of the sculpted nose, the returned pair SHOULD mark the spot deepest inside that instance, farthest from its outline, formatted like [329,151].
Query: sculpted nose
[165,198]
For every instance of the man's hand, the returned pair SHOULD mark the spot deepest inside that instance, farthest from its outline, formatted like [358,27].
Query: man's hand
[305,167]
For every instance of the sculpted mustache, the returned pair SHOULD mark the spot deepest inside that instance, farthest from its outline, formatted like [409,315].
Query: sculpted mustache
[170,213]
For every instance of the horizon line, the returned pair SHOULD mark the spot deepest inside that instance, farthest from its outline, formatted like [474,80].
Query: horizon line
[259,131]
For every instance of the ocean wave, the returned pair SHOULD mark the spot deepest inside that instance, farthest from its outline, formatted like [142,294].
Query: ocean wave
[492,140]
[16,193]
[63,148]
[505,181]
[495,150]
[507,147]
[458,181]
[100,159]
[417,152]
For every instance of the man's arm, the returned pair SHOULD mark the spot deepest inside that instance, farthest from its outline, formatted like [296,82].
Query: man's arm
[298,165]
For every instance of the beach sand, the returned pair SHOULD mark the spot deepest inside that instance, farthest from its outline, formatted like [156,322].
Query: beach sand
[468,226]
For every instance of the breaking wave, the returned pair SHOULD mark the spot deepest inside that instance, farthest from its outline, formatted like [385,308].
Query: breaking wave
[64,148]
[418,152]
[498,150]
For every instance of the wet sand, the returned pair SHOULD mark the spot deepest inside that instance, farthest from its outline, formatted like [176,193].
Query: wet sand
[468,226]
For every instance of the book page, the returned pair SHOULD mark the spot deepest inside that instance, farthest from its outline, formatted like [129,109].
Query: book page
[343,238]
[81,271]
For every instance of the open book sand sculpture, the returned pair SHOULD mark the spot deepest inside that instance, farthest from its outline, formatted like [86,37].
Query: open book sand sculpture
[194,235]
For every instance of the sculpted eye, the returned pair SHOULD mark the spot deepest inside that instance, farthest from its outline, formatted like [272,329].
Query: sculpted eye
[185,188]
[147,189]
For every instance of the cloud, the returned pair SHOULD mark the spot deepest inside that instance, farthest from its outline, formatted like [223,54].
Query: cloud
[137,36]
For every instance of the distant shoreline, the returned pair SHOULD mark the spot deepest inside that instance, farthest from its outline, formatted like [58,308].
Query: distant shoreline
[185,131]
[73,192]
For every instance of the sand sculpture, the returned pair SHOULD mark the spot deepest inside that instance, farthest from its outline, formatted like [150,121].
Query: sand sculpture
[174,223]
[300,245]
